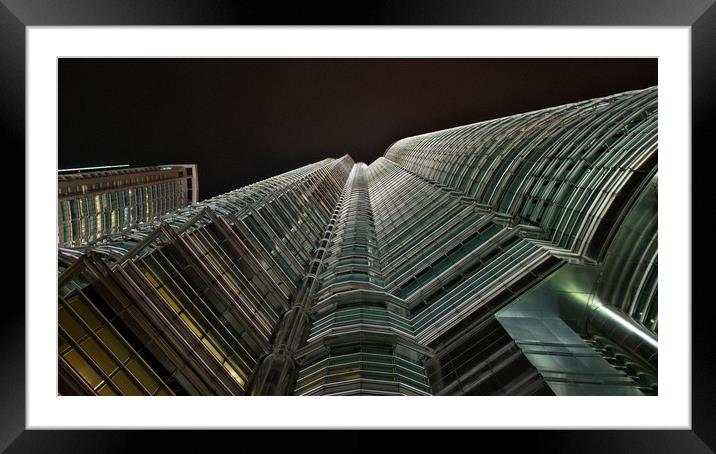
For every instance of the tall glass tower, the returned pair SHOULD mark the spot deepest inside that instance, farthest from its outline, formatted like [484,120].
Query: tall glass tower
[515,256]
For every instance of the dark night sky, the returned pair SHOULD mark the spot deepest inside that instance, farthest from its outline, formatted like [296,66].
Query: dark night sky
[242,120]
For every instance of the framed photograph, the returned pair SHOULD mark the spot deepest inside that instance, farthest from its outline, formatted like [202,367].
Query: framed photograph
[422,216]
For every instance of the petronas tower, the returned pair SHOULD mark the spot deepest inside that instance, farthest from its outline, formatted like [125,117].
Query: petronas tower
[516,256]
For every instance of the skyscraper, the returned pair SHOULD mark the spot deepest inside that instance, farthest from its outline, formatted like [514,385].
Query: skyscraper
[514,256]
[96,201]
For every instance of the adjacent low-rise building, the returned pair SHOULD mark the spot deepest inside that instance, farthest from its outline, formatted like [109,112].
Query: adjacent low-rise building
[97,201]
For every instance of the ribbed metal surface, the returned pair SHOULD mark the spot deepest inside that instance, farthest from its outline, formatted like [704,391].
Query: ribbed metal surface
[358,346]
[560,169]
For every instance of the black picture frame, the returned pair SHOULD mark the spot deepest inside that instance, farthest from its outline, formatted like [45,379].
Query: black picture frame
[699,15]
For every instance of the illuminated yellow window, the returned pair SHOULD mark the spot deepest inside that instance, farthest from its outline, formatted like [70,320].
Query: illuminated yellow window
[126,385]
[106,390]
[213,349]
[69,324]
[169,299]
[114,343]
[83,368]
[142,374]
[190,323]
[62,344]
[234,374]
[85,312]
[98,355]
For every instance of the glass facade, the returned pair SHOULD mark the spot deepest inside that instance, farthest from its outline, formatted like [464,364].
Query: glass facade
[97,202]
[483,259]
